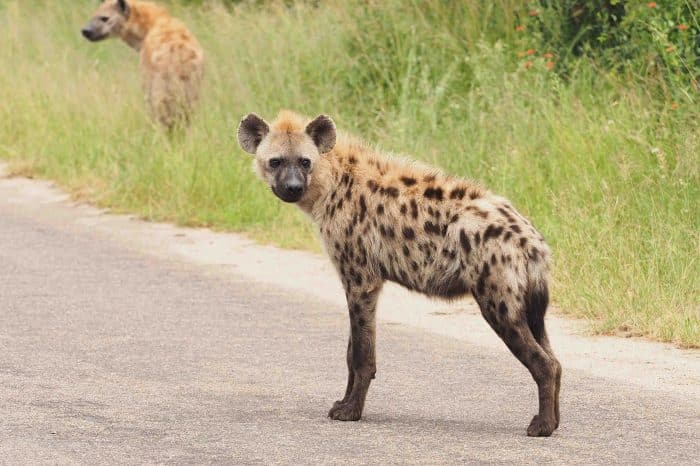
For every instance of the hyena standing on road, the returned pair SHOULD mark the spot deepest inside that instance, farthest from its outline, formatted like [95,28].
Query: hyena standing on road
[172,62]
[385,219]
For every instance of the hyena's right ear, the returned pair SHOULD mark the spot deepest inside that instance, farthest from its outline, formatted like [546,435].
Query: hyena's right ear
[123,7]
[251,132]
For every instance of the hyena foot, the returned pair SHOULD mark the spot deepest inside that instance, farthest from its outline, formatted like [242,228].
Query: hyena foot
[541,427]
[345,411]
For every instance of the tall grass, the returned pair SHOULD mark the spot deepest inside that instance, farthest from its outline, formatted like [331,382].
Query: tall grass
[607,170]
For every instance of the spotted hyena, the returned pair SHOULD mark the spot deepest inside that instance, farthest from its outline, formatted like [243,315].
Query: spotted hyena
[172,62]
[387,219]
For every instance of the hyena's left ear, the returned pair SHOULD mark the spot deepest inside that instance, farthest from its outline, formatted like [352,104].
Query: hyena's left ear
[123,7]
[322,131]
[251,132]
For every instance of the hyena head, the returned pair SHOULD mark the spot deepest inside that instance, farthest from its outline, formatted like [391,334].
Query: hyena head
[285,154]
[107,21]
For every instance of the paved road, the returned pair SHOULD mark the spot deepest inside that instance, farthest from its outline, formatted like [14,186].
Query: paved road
[109,355]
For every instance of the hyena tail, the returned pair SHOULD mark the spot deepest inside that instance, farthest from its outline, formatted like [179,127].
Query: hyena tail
[537,300]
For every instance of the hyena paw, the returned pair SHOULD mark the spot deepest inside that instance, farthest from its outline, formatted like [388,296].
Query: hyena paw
[541,427]
[345,411]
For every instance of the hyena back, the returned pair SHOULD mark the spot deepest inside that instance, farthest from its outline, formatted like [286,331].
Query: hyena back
[385,219]
[171,59]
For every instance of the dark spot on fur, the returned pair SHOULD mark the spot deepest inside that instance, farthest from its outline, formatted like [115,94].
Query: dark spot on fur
[403,209]
[449,254]
[515,228]
[361,321]
[414,209]
[383,271]
[390,191]
[474,195]
[506,214]
[406,251]
[433,193]
[408,233]
[481,281]
[493,259]
[523,242]
[352,160]
[431,228]
[408,181]
[464,241]
[492,231]
[507,236]
[372,185]
[457,193]
[363,208]
[429,178]
[477,238]
[414,266]
[380,209]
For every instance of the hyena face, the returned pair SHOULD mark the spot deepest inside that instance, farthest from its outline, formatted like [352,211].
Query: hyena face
[285,159]
[107,21]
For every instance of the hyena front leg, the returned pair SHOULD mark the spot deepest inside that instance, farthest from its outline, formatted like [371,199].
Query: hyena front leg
[362,304]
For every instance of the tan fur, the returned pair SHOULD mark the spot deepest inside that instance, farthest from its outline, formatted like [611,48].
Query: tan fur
[384,218]
[171,59]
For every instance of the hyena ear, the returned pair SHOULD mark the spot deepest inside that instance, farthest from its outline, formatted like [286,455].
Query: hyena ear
[123,7]
[322,131]
[251,132]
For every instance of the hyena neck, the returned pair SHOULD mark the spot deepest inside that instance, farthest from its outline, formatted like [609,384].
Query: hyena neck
[324,177]
[141,20]
[329,172]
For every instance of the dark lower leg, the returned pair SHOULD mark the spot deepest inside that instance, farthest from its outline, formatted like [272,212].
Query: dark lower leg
[543,368]
[361,357]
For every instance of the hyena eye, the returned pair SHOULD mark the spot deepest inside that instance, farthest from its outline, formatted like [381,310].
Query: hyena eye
[306,163]
[104,19]
[274,163]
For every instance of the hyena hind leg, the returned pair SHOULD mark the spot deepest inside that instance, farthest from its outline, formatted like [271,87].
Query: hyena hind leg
[536,306]
[518,337]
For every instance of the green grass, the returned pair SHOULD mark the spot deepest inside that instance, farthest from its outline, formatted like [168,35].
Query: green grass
[606,167]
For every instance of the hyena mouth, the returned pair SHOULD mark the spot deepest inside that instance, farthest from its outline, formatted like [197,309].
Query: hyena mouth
[288,196]
[92,36]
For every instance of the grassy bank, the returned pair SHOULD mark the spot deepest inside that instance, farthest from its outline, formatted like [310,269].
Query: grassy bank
[607,166]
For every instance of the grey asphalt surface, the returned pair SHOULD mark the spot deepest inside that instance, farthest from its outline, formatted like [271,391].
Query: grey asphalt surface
[108,355]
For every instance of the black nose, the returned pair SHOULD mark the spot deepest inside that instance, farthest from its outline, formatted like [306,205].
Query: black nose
[294,189]
[86,33]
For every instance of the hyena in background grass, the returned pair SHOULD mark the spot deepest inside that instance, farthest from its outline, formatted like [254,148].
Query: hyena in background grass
[386,219]
[172,62]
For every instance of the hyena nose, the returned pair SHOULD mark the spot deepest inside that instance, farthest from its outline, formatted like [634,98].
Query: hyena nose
[86,33]
[294,189]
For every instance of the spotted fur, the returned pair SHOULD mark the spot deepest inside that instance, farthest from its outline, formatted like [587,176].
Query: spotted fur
[383,218]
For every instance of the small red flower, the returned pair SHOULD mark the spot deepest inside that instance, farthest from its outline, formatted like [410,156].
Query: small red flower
[530,51]
[534,12]
[651,4]
[682,27]
[549,65]
[548,55]
[674,105]
[527,65]
[520,28]
[670,49]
